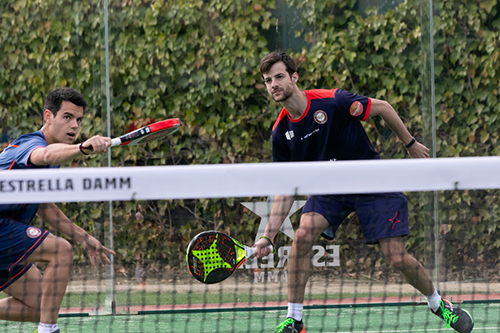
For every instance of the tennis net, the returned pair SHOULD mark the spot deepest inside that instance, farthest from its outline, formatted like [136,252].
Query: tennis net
[148,215]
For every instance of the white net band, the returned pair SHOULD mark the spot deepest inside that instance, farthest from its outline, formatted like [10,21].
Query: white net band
[244,180]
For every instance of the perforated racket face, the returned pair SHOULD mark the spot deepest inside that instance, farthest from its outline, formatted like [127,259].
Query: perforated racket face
[211,257]
[151,132]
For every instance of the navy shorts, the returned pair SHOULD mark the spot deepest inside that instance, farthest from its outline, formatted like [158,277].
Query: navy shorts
[17,242]
[380,215]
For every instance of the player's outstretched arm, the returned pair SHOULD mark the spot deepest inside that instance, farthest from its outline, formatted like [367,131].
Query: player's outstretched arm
[279,211]
[386,111]
[54,217]
[60,153]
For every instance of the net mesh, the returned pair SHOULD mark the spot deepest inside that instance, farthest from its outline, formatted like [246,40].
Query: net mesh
[353,286]
[138,62]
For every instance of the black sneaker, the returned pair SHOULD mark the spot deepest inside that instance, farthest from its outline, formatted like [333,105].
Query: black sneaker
[290,325]
[458,319]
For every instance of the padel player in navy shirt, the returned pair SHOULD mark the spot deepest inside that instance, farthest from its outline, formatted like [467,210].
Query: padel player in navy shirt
[16,156]
[329,129]
[325,125]
[31,297]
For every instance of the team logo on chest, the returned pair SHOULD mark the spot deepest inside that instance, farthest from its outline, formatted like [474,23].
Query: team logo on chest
[320,117]
[33,232]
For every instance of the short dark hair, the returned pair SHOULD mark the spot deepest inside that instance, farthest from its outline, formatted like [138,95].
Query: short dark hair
[57,96]
[269,60]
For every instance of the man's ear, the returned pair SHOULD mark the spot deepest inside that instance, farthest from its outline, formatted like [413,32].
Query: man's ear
[295,77]
[48,116]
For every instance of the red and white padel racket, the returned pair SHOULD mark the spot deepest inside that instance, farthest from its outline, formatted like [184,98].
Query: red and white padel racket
[148,133]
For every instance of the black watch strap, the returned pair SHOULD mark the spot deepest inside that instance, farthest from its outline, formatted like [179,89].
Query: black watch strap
[410,143]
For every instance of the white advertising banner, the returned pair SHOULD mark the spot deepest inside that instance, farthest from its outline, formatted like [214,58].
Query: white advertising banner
[247,180]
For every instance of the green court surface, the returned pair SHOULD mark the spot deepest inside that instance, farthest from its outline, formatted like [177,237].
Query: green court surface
[396,319]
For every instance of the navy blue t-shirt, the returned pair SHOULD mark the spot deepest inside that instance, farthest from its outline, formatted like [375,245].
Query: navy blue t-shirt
[17,156]
[329,129]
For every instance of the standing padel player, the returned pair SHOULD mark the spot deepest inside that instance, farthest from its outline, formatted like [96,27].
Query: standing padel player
[325,125]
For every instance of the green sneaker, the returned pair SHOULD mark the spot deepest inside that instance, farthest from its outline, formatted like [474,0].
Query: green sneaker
[56,331]
[290,325]
[458,319]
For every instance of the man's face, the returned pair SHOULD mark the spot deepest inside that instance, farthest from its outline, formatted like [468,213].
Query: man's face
[64,127]
[278,82]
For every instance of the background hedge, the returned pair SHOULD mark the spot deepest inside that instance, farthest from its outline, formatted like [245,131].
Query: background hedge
[198,60]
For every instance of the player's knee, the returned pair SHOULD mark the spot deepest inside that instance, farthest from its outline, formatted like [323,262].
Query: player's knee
[397,261]
[302,239]
[64,250]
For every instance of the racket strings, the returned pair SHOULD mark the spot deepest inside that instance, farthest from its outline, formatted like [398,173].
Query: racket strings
[211,259]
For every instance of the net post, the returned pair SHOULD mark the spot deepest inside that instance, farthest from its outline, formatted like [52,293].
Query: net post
[110,302]
[431,219]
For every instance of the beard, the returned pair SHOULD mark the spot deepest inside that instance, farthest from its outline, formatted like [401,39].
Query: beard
[286,93]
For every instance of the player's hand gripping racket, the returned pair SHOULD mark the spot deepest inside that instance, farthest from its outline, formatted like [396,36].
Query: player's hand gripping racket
[213,256]
[147,133]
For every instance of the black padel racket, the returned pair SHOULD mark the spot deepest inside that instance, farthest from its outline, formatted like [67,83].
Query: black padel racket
[148,133]
[213,256]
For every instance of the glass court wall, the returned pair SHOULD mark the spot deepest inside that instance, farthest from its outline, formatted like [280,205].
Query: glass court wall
[142,61]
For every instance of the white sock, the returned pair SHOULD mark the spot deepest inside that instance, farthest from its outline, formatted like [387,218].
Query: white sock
[47,328]
[433,300]
[295,311]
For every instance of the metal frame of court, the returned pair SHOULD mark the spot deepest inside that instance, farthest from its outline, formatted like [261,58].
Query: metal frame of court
[271,306]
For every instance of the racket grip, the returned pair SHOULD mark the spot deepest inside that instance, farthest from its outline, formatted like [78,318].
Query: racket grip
[250,251]
[115,142]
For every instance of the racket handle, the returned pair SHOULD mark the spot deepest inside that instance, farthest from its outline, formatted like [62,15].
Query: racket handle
[115,142]
[250,251]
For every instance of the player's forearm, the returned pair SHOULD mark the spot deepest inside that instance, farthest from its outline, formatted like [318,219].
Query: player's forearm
[70,229]
[392,119]
[396,125]
[279,211]
[55,154]
[54,217]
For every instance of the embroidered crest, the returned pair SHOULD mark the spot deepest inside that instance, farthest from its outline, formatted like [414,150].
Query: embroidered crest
[320,117]
[33,232]
[356,109]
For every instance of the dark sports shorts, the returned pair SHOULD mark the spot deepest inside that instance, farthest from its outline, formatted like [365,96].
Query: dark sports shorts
[381,215]
[17,242]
